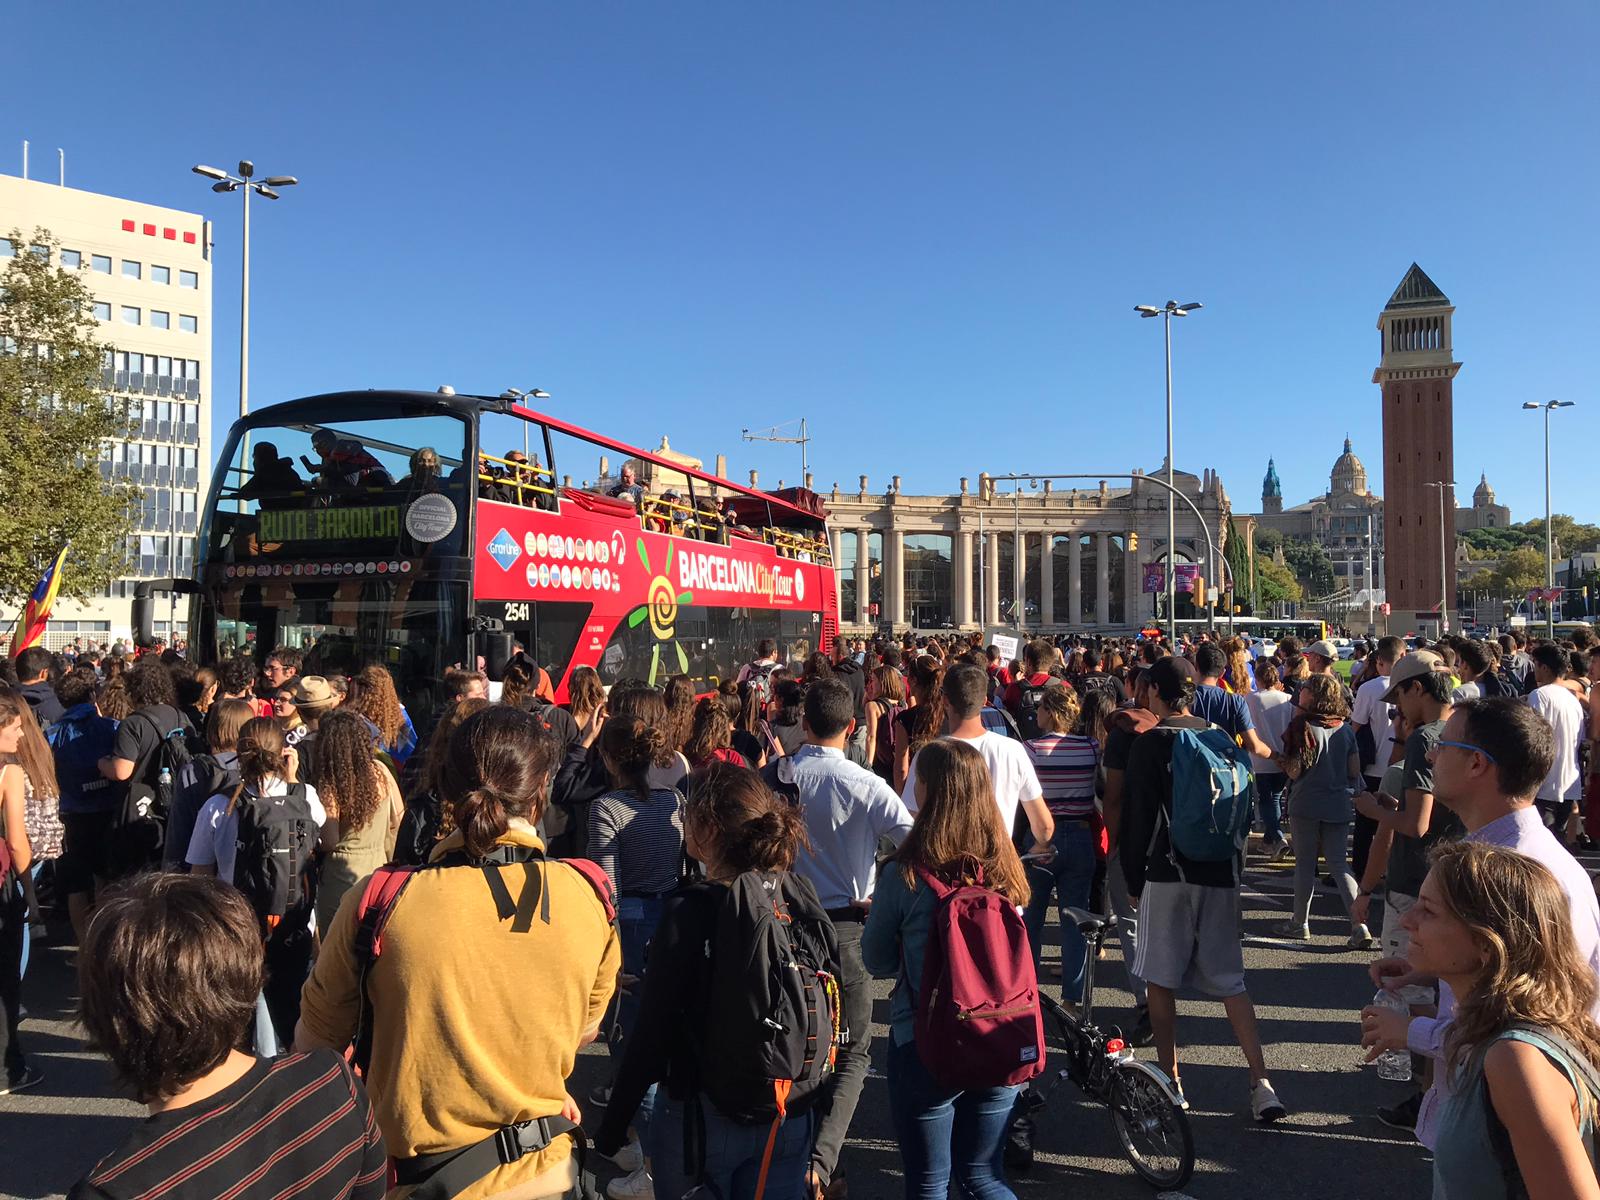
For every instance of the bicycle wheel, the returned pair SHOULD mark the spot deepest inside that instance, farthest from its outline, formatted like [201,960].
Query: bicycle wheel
[1153,1130]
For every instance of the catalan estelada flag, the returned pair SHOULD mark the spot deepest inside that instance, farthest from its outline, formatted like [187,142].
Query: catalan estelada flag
[30,626]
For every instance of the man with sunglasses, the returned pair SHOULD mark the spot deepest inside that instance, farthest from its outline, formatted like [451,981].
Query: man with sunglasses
[1488,765]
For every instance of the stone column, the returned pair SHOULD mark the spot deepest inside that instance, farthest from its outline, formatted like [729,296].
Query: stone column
[1019,573]
[863,574]
[1132,582]
[1047,578]
[991,583]
[963,613]
[895,573]
[1102,579]
[1075,580]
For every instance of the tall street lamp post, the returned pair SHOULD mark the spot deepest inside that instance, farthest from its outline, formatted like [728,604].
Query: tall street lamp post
[1549,406]
[1167,311]
[246,183]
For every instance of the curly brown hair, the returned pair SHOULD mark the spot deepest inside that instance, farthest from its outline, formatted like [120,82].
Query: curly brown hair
[379,703]
[345,773]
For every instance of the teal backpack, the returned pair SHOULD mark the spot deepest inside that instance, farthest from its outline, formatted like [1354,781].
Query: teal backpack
[1213,795]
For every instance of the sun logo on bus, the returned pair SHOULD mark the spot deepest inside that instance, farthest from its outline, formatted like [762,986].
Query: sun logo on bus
[661,610]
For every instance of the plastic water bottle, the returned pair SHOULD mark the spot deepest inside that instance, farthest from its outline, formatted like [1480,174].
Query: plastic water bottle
[164,785]
[1393,1064]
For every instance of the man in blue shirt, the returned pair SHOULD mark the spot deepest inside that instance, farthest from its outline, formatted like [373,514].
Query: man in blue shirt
[848,812]
[1221,707]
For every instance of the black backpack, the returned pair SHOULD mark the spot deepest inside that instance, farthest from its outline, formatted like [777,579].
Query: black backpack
[772,1014]
[1027,714]
[141,826]
[277,841]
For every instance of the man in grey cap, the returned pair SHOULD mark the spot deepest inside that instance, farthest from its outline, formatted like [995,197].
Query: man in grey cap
[1409,824]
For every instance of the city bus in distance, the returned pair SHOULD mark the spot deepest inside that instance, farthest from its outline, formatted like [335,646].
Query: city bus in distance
[393,528]
[1273,629]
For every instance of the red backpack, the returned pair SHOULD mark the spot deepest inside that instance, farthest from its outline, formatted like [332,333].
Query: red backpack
[978,1019]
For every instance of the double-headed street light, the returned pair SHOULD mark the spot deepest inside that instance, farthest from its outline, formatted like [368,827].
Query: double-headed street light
[1167,311]
[1549,406]
[246,183]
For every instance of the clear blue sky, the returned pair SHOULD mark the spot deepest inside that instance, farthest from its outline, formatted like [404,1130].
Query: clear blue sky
[922,225]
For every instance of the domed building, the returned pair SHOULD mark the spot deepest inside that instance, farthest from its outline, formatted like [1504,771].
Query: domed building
[1341,520]
[1484,513]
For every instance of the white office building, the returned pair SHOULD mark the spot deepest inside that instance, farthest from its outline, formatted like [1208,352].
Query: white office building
[149,269]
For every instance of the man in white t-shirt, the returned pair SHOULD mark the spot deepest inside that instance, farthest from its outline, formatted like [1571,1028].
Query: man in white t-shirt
[1370,713]
[1016,784]
[1555,702]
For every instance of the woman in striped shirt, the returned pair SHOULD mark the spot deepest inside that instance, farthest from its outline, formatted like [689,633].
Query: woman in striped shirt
[1065,763]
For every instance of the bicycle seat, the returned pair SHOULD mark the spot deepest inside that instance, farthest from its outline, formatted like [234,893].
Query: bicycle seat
[1088,922]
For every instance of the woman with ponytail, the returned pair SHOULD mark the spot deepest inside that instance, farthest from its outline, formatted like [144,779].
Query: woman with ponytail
[923,721]
[267,772]
[732,824]
[497,964]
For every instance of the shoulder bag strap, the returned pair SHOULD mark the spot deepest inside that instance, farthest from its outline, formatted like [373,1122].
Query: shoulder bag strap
[451,1172]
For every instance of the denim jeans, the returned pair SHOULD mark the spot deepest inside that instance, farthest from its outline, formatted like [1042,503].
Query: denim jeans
[637,918]
[1270,788]
[733,1154]
[1067,878]
[837,1105]
[943,1132]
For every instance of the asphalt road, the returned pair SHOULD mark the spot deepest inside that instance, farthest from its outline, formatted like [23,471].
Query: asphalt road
[1306,995]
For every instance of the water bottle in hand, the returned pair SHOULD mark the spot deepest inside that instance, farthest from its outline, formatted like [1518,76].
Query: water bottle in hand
[1393,1064]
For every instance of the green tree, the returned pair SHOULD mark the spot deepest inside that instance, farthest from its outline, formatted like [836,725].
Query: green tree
[1267,542]
[1516,572]
[1237,555]
[1310,564]
[1275,584]
[57,420]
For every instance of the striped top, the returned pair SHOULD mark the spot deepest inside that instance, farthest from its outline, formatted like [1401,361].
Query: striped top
[639,845]
[294,1126]
[1065,764]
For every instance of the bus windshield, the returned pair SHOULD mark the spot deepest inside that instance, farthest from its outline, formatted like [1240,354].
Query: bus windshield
[339,489]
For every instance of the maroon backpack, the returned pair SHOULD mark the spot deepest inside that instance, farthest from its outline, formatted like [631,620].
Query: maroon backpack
[978,1019]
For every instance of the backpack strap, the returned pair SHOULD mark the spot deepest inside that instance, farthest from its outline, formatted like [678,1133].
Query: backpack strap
[377,905]
[1500,1137]
[451,1172]
[599,881]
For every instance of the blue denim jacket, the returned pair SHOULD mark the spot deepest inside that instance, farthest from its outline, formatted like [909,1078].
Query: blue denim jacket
[893,941]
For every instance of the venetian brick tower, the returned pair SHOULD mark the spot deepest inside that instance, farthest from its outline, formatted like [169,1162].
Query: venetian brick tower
[1417,372]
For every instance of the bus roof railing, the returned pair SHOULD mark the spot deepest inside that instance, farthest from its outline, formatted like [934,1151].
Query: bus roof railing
[467,404]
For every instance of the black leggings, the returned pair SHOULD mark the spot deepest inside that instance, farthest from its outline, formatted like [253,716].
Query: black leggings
[13,929]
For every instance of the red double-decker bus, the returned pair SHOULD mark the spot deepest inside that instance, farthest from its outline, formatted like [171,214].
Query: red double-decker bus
[424,530]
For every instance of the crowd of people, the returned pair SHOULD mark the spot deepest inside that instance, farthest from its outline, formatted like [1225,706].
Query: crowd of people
[396,935]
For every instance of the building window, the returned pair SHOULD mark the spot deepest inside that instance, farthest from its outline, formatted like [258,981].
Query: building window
[102,311]
[71,260]
[188,279]
[42,253]
[160,274]
[131,269]
[188,323]
[7,249]
[101,263]
[130,315]
[159,319]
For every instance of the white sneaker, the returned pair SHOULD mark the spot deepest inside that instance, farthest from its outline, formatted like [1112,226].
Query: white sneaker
[1264,1103]
[628,1159]
[637,1185]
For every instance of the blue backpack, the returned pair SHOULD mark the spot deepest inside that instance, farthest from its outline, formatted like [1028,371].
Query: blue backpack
[78,741]
[1213,795]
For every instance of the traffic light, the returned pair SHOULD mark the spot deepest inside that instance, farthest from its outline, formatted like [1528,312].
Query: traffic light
[1199,593]
[1133,542]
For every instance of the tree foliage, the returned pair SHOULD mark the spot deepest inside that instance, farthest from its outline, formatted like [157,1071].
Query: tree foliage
[1517,571]
[1275,584]
[57,422]
[1571,536]
[1310,564]
[1237,555]
[1267,541]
